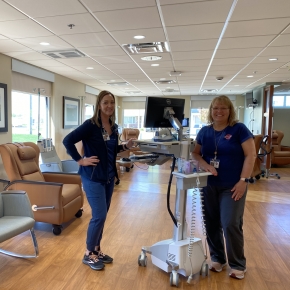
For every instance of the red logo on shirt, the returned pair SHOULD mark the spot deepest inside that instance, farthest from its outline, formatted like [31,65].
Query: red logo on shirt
[228,136]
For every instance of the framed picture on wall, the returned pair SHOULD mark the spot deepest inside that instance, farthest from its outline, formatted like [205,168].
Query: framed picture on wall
[3,108]
[71,112]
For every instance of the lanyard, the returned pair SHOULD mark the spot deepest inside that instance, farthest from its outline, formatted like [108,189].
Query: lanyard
[217,143]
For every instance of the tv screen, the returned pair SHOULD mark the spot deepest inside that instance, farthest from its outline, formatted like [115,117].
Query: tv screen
[249,99]
[154,111]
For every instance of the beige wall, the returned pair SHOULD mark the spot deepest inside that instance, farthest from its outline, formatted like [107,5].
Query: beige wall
[6,78]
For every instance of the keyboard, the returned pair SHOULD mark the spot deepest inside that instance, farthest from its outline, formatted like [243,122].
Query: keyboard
[144,156]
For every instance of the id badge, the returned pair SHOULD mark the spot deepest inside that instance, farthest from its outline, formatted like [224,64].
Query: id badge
[215,163]
[106,136]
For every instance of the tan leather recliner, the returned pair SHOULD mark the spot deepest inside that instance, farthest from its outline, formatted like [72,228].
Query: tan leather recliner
[280,155]
[55,197]
[127,134]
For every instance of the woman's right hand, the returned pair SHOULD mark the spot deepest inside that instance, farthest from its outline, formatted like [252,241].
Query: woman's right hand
[211,169]
[89,161]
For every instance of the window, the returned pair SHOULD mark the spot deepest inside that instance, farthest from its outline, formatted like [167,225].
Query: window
[278,101]
[281,101]
[133,118]
[89,111]
[29,117]
[198,119]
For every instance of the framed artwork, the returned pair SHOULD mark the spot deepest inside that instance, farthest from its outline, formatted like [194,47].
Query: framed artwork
[3,108]
[71,112]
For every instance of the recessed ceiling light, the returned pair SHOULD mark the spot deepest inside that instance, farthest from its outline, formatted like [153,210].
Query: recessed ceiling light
[273,59]
[237,85]
[89,67]
[155,64]
[112,80]
[163,79]
[250,76]
[151,57]
[44,43]
[139,36]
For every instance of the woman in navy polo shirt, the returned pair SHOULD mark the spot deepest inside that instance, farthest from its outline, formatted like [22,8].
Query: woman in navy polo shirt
[226,149]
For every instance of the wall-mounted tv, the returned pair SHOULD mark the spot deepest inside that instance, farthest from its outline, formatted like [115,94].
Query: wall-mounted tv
[250,101]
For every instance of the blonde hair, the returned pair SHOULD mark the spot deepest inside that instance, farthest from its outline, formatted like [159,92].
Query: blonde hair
[228,103]
[96,117]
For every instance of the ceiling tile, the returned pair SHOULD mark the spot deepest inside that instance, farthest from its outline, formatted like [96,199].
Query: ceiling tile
[261,9]
[190,13]
[55,43]
[135,18]
[89,39]
[103,51]
[192,32]
[256,27]
[117,4]
[83,23]
[42,8]
[22,29]
[9,13]
[7,45]
[127,36]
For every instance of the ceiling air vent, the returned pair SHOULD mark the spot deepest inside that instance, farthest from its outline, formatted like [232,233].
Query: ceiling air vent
[118,84]
[133,92]
[149,47]
[168,90]
[209,91]
[71,53]
[165,82]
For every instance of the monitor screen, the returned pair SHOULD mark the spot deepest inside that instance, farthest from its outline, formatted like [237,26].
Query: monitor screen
[154,111]
[249,98]
[185,122]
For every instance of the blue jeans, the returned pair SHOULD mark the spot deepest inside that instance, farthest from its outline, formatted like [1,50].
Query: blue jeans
[224,219]
[99,196]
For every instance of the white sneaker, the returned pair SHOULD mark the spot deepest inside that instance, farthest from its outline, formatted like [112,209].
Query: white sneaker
[216,266]
[237,274]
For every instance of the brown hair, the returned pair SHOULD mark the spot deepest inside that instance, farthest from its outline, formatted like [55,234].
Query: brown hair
[227,102]
[96,117]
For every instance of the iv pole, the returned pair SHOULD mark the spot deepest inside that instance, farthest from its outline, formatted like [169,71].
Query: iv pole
[38,119]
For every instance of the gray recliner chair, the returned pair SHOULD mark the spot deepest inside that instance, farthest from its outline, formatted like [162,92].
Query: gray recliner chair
[16,217]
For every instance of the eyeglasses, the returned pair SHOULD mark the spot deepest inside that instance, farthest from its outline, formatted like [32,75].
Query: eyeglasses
[219,109]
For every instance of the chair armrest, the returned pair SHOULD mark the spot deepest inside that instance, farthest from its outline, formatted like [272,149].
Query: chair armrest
[285,148]
[61,177]
[39,193]
[16,203]
[69,165]
[50,167]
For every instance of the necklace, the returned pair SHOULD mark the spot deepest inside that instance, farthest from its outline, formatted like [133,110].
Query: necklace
[217,143]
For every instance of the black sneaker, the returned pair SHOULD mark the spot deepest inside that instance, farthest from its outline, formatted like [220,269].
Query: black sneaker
[93,261]
[102,257]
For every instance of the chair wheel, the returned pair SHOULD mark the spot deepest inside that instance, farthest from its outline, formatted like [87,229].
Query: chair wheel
[79,213]
[127,169]
[56,229]
[117,182]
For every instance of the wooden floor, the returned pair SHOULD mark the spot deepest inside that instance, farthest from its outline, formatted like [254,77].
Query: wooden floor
[138,217]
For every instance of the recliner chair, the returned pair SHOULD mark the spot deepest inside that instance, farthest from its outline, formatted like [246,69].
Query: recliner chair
[56,197]
[280,155]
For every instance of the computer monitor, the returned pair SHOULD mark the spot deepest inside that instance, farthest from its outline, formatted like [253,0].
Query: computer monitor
[154,111]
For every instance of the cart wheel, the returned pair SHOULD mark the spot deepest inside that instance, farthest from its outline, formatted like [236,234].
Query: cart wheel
[142,260]
[127,169]
[204,270]
[251,180]
[257,177]
[174,279]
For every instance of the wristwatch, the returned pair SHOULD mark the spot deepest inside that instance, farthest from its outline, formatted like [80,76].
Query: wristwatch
[245,179]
